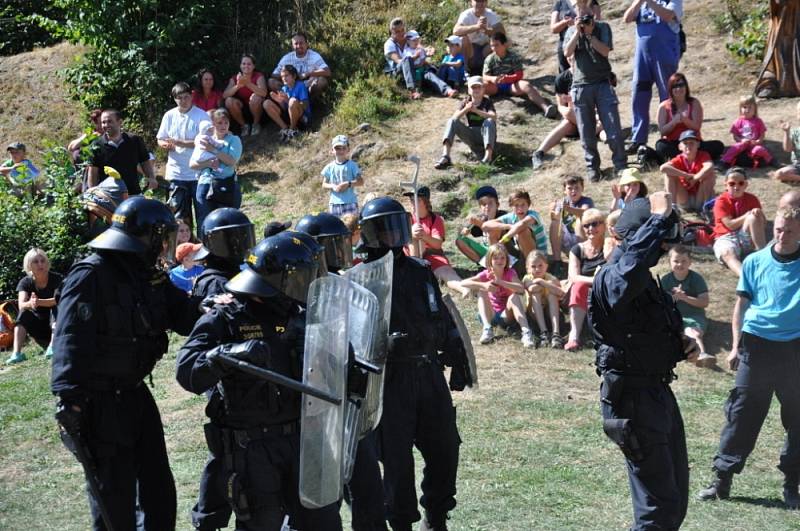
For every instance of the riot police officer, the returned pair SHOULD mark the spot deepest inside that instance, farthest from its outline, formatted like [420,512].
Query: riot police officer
[639,336]
[253,433]
[114,310]
[365,490]
[227,236]
[417,409]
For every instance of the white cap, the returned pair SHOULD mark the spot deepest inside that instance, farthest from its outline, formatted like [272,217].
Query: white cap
[412,35]
[453,39]
[474,80]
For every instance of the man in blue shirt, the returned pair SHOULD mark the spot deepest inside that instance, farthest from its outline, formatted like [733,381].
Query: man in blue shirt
[766,350]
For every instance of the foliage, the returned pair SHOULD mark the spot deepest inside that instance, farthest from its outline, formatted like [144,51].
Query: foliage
[371,99]
[18,32]
[747,23]
[51,220]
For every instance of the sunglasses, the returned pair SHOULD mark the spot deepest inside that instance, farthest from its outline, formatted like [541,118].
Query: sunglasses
[592,224]
[736,183]
[679,85]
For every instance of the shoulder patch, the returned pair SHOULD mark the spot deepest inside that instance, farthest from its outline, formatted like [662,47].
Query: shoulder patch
[84,311]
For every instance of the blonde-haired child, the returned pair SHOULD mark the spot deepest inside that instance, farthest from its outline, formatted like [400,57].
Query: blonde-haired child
[748,134]
[543,291]
[499,296]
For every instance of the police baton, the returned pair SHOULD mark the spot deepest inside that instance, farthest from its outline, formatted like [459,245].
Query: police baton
[276,378]
[70,433]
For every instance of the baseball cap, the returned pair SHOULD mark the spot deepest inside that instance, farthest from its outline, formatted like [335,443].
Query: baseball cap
[422,191]
[412,35]
[688,134]
[185,249]
[276,227]
[629,175]
[340,140]
[16,146]
[453,39]
[484,191]
[474,80]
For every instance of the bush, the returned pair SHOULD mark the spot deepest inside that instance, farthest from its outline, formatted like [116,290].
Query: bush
[18,33]
[747,23]
[53,221]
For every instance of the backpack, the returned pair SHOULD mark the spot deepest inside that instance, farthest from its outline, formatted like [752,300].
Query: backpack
[7,311]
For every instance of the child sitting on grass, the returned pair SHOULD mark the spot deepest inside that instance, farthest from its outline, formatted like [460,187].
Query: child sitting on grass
[563,215]
[499,296]
[690,176]
[523,224]
[690,292]
[543,293]
[290,107]
[748,135]
[451,70]
[791,144]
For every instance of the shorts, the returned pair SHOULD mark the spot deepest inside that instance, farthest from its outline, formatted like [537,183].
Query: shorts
[568,239]
[579,295]
[37,328]
[436,260]
[479,248]
[498,319]
[340,209]
[285,116]
[504,89]
[739,242]
[697,323]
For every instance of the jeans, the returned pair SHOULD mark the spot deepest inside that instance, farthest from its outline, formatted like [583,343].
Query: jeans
[204,207]
[406,69]
[599,98]
[191,190]
[477,138]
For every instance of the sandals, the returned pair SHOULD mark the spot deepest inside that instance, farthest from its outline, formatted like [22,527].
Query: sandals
[443,163]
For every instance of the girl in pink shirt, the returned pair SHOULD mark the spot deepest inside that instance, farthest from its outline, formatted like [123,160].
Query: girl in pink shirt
[748,134]
[499,296]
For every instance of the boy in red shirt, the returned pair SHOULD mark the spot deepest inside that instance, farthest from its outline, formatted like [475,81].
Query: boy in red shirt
[739,222]
[690,176]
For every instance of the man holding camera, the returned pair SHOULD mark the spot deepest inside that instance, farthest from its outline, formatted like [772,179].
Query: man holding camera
[588,42]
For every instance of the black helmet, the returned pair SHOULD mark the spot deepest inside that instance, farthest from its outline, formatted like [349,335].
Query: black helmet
[281,264]
[227,234]
[333,235]
[384,224]
[140,226]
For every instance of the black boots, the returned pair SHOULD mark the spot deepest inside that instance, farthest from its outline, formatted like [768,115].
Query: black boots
[720,488]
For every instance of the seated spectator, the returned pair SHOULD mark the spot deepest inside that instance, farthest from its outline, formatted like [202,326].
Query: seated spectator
[18,169]
[502,74]
[428,234]
[790,199]
[739,222]
[311,67]
[205,95]
[690,293]
[246,90]
[475,247]
[84,139]
[476,25]
[791,144]
[681,112]
[36,304]
[341,176]
[187,270]
[524,225]
[543,292]
[480,131]
[289,107]
[561,18]
[748,136]
[584,259]
[690,176]
[629,187]
[563,215]
[612,240]
[500,296]
[452,70]
[567,127]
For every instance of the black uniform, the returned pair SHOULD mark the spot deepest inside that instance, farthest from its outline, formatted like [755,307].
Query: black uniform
[110,333]
[254,433]
[417,407]
[211,282]
[638,330]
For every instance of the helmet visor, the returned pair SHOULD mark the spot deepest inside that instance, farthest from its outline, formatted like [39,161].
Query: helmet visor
[231,243]
[338,250]
[169,242]
[393,230]
[294,282]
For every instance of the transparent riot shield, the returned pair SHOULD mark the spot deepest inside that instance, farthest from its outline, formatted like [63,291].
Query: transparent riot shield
[324,368]
[377,278]
[464,333]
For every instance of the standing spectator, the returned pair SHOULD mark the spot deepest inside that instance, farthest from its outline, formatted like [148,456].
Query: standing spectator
[340,177]
[311,67]
[584,260]
[123,152]
[18,169]
[791,144]
[290,106]
[748,135]
[179,127]
[246,90]
[690,293]
[184,274]
[589,42]
[489,205]
[524,225]
[36,304]
[502,74]
[480,131]
[205,95]
[561,18]
[739,222]
[678,113]
[563,215]
[658,52]
[77,144]
[690,177]
[477,24]
[766,340]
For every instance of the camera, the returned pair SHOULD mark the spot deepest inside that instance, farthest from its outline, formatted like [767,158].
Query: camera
[586,19]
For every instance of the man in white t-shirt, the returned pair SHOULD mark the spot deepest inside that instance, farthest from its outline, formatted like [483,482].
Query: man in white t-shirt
[477,24]
[311,67]
[176,135]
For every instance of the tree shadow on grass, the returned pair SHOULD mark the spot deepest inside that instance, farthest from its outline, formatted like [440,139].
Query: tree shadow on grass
[248,180]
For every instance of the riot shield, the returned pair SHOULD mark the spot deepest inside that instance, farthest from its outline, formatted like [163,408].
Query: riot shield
[377,278]
[324,368]
[464,333]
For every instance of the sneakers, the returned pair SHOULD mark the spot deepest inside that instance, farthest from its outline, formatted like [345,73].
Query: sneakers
[486,336]
[537,159]
[443,162]
[543,341]
[594,176]
[245,130]
[557,342]
[255,130]
[720,489]
[632,148]
[48,354]
[527,339]
[706,360]
[551,112]
[16,357]
[572,346]
[291,133]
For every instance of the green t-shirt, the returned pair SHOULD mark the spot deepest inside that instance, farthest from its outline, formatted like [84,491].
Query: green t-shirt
[495,66]
[794,135]
[693,285]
